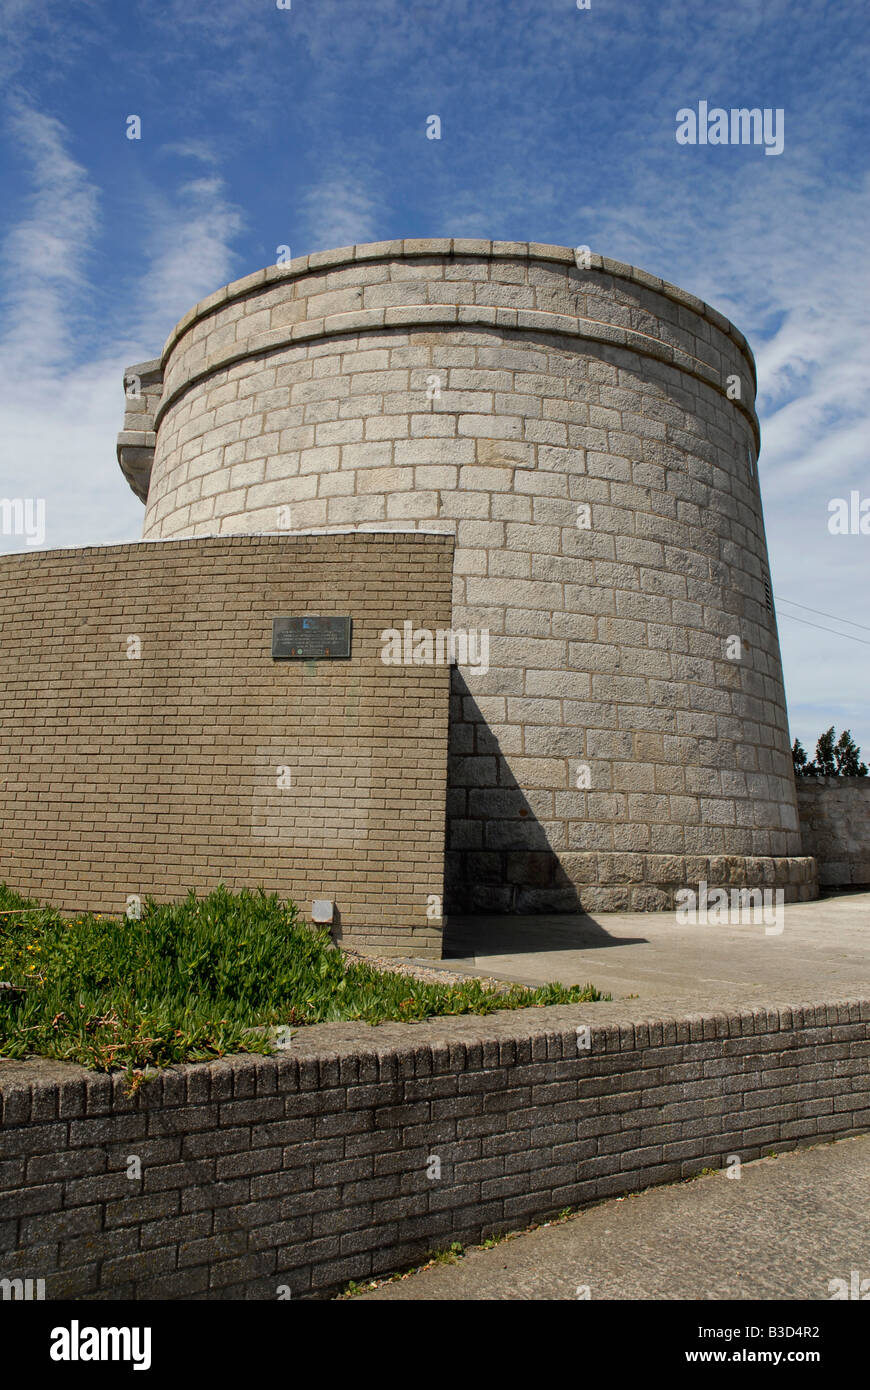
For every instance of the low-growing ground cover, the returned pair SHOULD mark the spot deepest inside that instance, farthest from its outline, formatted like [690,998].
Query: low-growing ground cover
[200,978]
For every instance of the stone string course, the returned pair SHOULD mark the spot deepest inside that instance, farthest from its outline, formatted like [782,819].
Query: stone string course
[492,391]
[310,1169]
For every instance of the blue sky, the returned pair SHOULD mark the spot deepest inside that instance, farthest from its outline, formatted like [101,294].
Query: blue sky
[306,127]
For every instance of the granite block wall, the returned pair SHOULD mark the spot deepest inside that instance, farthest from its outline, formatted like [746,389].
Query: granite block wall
[588,434]
[835,827]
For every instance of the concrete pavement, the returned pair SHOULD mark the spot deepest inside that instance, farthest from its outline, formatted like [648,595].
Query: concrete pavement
[783,1230]
[822,953]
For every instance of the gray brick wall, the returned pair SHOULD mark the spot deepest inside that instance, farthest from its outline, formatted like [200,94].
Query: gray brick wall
[310,1169]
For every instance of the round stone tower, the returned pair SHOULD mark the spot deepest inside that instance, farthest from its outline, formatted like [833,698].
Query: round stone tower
[588,434]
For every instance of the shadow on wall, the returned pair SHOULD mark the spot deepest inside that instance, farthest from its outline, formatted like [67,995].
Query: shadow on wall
[498,859]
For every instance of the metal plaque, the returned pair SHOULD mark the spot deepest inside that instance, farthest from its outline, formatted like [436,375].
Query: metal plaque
[310,639]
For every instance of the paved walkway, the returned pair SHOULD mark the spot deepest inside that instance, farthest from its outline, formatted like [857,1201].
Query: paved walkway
[822,953]
[783,1230]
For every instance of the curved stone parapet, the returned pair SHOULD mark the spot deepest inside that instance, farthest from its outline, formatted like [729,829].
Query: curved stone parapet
[588,433]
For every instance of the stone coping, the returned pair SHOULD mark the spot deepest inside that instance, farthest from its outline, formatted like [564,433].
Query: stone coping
[451,246]
[235,538]
[328,1054]
[134,452]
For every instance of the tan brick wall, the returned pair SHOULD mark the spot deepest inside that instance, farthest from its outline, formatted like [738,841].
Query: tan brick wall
[153,775]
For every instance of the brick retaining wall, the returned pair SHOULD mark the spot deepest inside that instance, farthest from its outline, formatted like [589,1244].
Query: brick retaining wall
[309,1168]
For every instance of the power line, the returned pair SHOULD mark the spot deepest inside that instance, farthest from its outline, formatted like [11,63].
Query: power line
[821,614]
[833,632]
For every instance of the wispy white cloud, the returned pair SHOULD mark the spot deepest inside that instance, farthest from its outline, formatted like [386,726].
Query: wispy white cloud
[339,210]
[188,252]
[191,148]
[61,407]
[44,257]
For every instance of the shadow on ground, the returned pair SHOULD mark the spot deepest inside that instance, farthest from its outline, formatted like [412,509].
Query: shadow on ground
[466,936]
